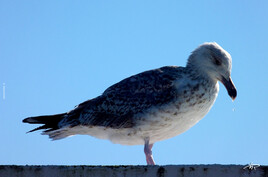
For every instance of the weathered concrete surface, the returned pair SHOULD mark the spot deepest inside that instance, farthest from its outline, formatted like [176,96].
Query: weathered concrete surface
[133,171]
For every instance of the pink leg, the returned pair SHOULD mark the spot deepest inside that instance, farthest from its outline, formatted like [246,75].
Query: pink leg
[148,153]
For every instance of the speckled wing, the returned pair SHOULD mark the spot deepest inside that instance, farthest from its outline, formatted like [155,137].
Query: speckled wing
[119,103]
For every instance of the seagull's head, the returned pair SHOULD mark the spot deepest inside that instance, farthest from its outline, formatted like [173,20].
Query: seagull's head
[212,60]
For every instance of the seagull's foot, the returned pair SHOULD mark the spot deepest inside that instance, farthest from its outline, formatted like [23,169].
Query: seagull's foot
[148,153]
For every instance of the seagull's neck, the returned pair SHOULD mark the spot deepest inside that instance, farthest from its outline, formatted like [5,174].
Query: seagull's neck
[198,73]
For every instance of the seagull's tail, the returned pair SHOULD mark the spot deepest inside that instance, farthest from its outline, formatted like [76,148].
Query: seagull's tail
[50,127]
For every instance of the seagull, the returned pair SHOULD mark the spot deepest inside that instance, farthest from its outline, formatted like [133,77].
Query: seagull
[151,106]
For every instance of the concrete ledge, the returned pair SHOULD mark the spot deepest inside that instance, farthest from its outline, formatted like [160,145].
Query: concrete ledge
[133,171]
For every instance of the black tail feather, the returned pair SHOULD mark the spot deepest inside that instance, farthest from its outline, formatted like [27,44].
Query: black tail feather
[50,121]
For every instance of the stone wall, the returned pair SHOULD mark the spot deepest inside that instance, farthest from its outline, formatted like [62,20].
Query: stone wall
[133,171]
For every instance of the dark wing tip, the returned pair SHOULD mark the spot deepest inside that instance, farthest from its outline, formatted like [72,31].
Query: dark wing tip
[30,120]
[38,128]
[25,120]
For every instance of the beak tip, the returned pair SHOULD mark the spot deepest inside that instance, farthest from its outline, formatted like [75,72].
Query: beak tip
[230,87]
[233,98]
[232,93]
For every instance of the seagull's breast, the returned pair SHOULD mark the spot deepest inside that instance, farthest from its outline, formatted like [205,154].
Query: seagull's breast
[178,116]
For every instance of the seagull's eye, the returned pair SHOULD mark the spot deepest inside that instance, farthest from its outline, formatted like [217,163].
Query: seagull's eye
[217,62]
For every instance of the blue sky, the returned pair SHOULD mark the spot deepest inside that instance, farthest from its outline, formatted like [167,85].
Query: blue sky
[56,54]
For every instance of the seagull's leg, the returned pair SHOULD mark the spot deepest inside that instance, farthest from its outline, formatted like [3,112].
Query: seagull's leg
[148,152]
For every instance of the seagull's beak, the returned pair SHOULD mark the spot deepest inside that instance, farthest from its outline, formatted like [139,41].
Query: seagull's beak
[229,85]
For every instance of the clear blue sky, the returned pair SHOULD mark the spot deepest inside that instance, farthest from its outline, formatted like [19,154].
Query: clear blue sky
[56,54]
